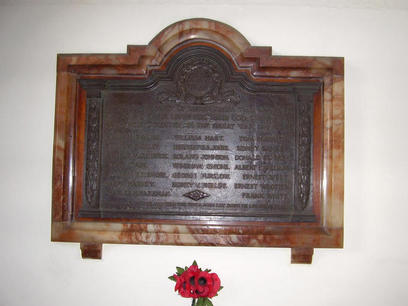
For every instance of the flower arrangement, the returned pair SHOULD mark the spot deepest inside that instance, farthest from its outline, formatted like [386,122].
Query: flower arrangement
[192,282]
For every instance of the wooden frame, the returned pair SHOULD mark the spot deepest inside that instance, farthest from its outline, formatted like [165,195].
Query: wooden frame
[259,65]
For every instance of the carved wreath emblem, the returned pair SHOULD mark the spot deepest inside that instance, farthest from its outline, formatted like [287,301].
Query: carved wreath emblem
[199,82]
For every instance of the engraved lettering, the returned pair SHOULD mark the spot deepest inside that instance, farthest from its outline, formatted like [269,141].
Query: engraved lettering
[238,117]
[245,167]
[279,138]
[202,125]
[247,157]
[223,126]
[257,177]
[274,186]
[199,185]
[251,195]
[184,175]
[187,137]
[263,177]
[195,147]
[243,126]
[143,184]
[187,166]
[245,186]
[214,157]
[214,138]
[198,116]
[219,176]
[185,156]
[150,174]
[247,148]
[218,166]
[245,138]
[268,196]
[151,155]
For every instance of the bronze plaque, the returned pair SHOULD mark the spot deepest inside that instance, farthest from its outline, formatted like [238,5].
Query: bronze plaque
[199,141]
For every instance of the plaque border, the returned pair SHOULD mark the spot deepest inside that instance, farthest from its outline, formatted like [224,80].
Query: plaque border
[259,64]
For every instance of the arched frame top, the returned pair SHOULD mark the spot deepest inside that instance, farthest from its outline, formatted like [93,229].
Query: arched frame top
[259,64]
[139,58]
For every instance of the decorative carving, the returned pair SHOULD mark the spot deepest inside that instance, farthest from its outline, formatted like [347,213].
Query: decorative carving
[199,81]
[196,195]
[92,154]
[304,153]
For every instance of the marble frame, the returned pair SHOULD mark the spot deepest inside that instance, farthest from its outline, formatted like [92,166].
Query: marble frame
[259,64]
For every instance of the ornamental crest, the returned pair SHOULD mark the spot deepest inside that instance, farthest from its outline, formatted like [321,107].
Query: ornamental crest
[199,81]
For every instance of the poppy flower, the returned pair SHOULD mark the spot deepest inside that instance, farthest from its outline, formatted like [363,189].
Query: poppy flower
[194,283]
[216,285]
[182,286]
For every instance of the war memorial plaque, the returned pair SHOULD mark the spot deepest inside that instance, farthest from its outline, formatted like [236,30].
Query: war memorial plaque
[210,140]
[197,142]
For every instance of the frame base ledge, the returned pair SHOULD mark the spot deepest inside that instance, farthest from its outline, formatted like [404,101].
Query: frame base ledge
[91,250]
[302,255]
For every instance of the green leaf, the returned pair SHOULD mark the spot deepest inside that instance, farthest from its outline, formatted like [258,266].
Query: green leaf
[186,268]
[179,270]
[207,270]
[200,302]
[221,287]
[195,263]
[172,278]
[208,303]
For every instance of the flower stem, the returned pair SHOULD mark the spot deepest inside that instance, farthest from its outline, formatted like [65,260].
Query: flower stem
[193,302]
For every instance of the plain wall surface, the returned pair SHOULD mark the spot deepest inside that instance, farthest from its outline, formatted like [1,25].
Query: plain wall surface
[370,270]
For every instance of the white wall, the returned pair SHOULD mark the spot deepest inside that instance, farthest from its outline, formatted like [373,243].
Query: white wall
[372,268]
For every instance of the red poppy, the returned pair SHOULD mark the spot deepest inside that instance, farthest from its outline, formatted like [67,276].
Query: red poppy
[193,268]
[216,285]
[182,286]
[196,283]
[204,284]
